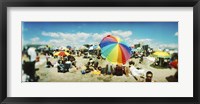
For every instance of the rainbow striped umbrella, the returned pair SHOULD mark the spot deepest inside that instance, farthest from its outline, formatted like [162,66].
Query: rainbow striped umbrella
[115,50]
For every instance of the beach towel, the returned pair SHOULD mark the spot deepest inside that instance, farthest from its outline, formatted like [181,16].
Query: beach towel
[96,72]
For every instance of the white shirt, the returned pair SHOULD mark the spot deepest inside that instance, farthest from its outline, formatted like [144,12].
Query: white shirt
[32,53]
[136,72]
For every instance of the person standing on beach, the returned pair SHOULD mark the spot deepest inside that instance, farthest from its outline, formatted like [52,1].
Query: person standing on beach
[29,67]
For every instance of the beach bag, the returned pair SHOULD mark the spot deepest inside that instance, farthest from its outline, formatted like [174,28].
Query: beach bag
[83,72]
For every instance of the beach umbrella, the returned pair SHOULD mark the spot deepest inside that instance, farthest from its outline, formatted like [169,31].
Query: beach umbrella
[161,54]
[61,53]
[115,50]
[69,47]
[174,64]
[87,45]
[94,47]
[83,48]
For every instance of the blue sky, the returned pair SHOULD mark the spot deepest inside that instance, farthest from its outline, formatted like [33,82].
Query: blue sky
[156,34]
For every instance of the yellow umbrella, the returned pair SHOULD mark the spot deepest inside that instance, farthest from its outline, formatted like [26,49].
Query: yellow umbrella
[161,54]
[61,53]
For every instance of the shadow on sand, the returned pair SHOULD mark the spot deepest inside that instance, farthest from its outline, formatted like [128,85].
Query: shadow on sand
[171,79]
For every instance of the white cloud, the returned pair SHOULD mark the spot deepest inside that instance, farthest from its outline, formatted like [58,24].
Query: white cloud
[153,44]
[80,38]
[60,38]
[98,37]
[51,34]
[35,39]
[176,34]
[169,46]
[121,33]
[142,41]
[157,45]
[64,39]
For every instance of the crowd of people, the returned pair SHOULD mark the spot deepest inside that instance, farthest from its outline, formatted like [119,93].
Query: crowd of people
[66,62]
[117,70]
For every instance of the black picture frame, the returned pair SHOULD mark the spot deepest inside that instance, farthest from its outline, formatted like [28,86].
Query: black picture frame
[98,3]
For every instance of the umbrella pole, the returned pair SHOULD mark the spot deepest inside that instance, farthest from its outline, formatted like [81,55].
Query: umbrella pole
[160,62]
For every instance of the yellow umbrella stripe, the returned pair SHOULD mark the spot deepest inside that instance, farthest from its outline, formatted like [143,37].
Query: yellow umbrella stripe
[115,54]
[119,54]
[56,54]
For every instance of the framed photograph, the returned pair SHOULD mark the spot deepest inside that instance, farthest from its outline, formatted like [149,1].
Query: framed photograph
[73,51]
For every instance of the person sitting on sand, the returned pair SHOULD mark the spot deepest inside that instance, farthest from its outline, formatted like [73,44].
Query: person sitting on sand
[60,66]
[96,63]
[63,65]
[118,70]
[109,70]
[91,61]
[137,74]
[149,77]
[67,65]
[48,63]
[88,69]
[100,68]
[125,70]
[141,58]
[73,60]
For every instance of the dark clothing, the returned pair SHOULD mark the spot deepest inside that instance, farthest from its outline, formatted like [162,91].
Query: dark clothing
[118,71]
[66,67]
[29,69]
[49,64]
[96,64]
[108,70]
[63,67]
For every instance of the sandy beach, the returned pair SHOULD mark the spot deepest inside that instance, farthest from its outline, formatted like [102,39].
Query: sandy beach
[75,75]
